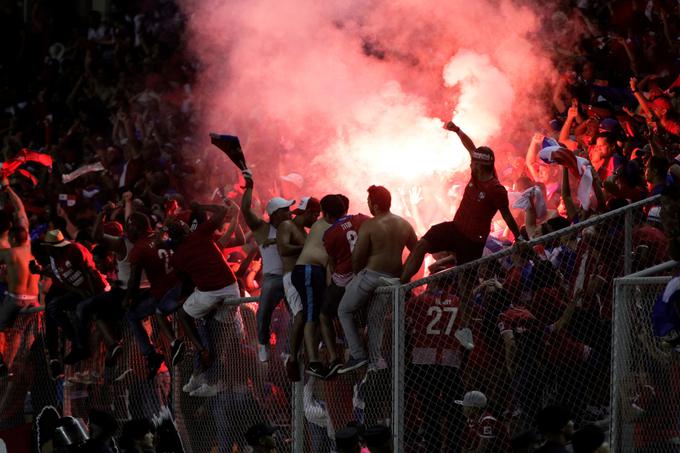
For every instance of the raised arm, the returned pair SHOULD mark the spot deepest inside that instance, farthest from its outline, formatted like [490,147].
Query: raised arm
[572,115]
[532,154]
[566,195]
[219,213]
[641,99]
[20,217]
[465,140]
[253,221]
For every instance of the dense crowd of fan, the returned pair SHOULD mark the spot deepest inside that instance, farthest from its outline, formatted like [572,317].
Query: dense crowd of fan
[113,233]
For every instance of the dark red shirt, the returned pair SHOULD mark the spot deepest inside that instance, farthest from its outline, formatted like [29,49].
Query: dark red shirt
[155,262]
[339,241]
[74,264]
[199,257]
[432,320]
[481,201]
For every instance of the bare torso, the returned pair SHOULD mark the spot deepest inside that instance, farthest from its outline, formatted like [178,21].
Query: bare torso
[314,252]
[389,234]
[293,235]
[20,281]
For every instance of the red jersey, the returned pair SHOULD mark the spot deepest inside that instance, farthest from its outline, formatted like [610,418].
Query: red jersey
[525,329]
[199,257]
[481,201]
[485,427]
[432,320]
[155,262]
[74,264]
[339,241]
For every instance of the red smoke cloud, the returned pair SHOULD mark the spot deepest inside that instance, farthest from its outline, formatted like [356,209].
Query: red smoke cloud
[351,93]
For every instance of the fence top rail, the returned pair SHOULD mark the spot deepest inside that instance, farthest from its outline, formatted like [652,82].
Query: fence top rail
[539,240]
[632,281]
[650,271]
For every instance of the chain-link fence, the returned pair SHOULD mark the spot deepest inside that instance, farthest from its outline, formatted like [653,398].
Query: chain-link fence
[645,370]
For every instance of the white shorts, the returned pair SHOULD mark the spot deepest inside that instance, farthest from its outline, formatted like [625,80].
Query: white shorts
[292,296]
[200,303]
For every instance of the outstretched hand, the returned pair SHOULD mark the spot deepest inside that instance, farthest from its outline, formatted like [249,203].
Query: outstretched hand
[451,126]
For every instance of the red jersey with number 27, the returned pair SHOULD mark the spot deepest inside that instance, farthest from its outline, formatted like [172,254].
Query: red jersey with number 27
[432,320]
[155,262]
[339,241]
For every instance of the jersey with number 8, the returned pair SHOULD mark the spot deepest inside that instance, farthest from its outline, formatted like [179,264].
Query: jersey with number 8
[339,241]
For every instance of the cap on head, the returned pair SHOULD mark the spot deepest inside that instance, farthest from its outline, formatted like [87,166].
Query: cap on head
[483,155]
[474,398]
[277,203]
[654,215]
[113,228]
[55,238]
[308,204]
[258,431]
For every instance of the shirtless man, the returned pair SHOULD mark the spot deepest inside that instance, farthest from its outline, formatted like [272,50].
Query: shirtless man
[309,279]
[377,254]
[22,285]
[290,239]
[272,269]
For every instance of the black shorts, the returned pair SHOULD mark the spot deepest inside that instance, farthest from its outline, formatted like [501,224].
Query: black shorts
[333,297]
[445,237]
[310,283]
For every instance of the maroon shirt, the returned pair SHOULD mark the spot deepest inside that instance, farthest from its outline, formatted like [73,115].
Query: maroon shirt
[202,260]
[74,264]
[339,241]
[155,262]
[481,201]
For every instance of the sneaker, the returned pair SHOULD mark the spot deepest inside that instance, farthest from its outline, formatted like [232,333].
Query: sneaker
[205,391]
[75,356]
[153,363]
[262,353]
[333,368]
[317,369]
[176,351]
[194,383]
[389,281]
[56,369]
[464,336]
[352,364]
[206,358]
[112,355]
[293,370]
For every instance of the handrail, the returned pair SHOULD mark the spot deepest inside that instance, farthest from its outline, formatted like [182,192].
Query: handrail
[508,251]
[668,265]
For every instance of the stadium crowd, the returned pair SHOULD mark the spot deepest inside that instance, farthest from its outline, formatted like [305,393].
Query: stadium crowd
[111,218]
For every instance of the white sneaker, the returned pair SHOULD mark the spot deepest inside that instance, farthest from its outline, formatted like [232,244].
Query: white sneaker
[194,383]
[262,352]
[389,281]
[464,336]
[205,391]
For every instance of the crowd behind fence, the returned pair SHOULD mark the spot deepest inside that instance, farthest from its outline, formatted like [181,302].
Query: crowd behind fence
[542,336]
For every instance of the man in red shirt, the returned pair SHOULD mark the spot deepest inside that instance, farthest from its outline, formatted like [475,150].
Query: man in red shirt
[434,356]
[72,266]
[151,257]
[483,432]
[200,264]
[466,234]
[339,241]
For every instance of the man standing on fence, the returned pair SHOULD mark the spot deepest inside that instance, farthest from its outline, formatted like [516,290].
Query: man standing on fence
[377,254]
[272,268]
[290,239]
[466,235]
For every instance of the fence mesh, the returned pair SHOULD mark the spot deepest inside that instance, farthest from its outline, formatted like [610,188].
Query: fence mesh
[540,316]
[646,372]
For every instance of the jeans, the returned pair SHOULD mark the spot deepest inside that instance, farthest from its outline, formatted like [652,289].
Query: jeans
[147,307]
[270,296]
[57,315]
[357,293]
[105,306]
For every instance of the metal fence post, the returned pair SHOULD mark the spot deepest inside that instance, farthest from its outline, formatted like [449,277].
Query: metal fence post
[628,243]
[398,368]
[618,306]
[298,419]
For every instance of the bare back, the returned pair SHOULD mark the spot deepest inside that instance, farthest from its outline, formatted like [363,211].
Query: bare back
[19,279]
[314,252]
[388,235]
[288,233]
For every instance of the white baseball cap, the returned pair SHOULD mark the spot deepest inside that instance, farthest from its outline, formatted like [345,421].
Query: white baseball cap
[277,203]
[474,398]
[654,214]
